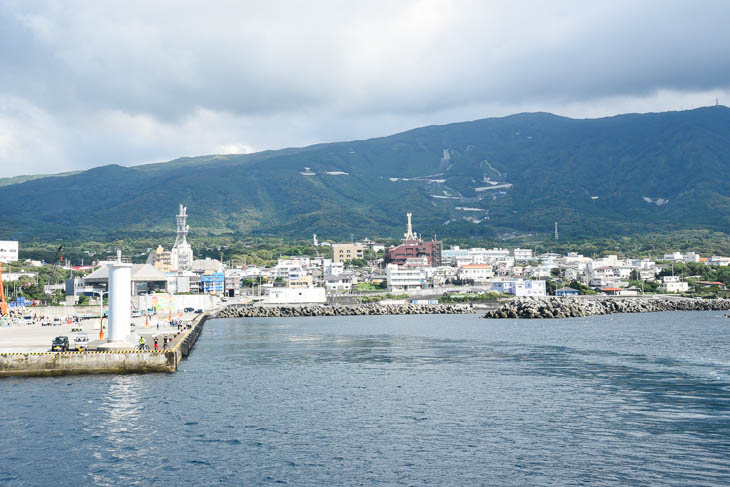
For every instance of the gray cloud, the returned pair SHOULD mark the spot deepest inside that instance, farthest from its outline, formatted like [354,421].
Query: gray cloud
[85,83]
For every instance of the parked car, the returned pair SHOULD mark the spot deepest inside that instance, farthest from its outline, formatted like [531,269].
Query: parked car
[57,322]
[198,311]
[60,344]
[79,342]
[189,310]
[76,329]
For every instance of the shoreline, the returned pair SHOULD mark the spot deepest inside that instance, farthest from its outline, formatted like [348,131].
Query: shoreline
[369,309]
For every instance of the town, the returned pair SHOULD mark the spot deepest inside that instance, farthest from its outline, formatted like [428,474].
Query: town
[414,271]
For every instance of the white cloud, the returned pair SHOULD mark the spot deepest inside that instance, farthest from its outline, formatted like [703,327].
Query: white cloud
[86,83]
[233,149]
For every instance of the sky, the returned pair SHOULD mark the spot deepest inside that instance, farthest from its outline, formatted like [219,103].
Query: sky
[89,83]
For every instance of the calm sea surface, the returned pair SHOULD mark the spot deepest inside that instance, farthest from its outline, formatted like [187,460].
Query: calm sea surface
[440,400]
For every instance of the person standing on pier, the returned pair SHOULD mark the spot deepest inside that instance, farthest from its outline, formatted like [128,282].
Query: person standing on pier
[157,347]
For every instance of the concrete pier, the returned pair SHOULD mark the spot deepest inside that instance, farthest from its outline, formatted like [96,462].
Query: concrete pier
[104,362]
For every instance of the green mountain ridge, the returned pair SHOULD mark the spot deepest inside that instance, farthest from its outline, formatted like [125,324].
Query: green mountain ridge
[620,175]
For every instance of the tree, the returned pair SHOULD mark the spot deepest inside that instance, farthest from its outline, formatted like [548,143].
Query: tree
[550,287]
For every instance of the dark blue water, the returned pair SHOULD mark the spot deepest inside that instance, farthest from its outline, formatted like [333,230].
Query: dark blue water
[441,400]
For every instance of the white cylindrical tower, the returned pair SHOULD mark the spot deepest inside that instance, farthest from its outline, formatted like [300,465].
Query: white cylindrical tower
[120,295]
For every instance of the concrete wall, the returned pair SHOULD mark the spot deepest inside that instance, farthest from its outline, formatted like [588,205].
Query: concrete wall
[65,363]
[288,295]
[178,302]
[61,311]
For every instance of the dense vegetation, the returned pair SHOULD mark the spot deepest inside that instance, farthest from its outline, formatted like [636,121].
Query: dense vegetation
[491,179]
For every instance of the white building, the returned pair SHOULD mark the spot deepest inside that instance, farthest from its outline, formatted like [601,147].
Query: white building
[202,266]
[521,287]
[680,257]
[522,254]
[301,261]
[340,283]
[334,268]
[402,278]
[529,288]
[475,272]
[450,256]
[233,278]
[672,284]
[8,250]
[718,260]
[16,276]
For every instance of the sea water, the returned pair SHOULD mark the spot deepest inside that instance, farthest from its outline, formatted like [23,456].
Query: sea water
[393,400]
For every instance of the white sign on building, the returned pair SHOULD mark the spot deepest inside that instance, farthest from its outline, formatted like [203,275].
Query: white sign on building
[8,250]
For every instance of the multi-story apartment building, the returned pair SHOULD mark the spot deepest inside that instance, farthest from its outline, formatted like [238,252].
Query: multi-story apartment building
[343,252]
[403,278]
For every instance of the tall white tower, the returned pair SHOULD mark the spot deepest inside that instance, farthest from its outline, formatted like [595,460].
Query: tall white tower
[120,295]
[182,252]
[409,235]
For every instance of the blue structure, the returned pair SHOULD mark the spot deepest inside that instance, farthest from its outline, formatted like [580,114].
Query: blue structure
[213,283]
[566,291]
[20,302]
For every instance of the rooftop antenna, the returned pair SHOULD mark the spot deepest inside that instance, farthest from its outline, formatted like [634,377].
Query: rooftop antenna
[556,230]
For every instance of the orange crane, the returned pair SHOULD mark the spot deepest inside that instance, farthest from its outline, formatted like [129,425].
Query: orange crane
[3,304]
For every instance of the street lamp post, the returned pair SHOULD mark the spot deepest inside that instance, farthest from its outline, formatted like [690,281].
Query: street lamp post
[101,312]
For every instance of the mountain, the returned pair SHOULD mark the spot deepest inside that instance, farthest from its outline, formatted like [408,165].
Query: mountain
[30,177]
[619,175]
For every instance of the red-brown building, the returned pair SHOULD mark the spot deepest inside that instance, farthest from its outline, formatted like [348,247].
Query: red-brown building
[413,247]
[410,249]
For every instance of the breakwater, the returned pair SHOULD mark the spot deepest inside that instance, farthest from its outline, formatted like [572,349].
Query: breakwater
[292,311]
[554,307]
[103,362]
[87,362]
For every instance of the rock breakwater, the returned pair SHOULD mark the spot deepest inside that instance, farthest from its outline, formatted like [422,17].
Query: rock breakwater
[553,307]
[248,311]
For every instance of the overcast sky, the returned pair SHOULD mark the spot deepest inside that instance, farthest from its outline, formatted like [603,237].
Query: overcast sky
[87,83]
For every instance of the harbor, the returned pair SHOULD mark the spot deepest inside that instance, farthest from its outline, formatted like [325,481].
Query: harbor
[25,351]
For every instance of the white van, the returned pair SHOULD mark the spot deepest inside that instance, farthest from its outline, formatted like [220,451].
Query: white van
[79,341]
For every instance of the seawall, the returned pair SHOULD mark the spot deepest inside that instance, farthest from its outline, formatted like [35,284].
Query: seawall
[293,311]
[104,362]
[554,307]
[70,363]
